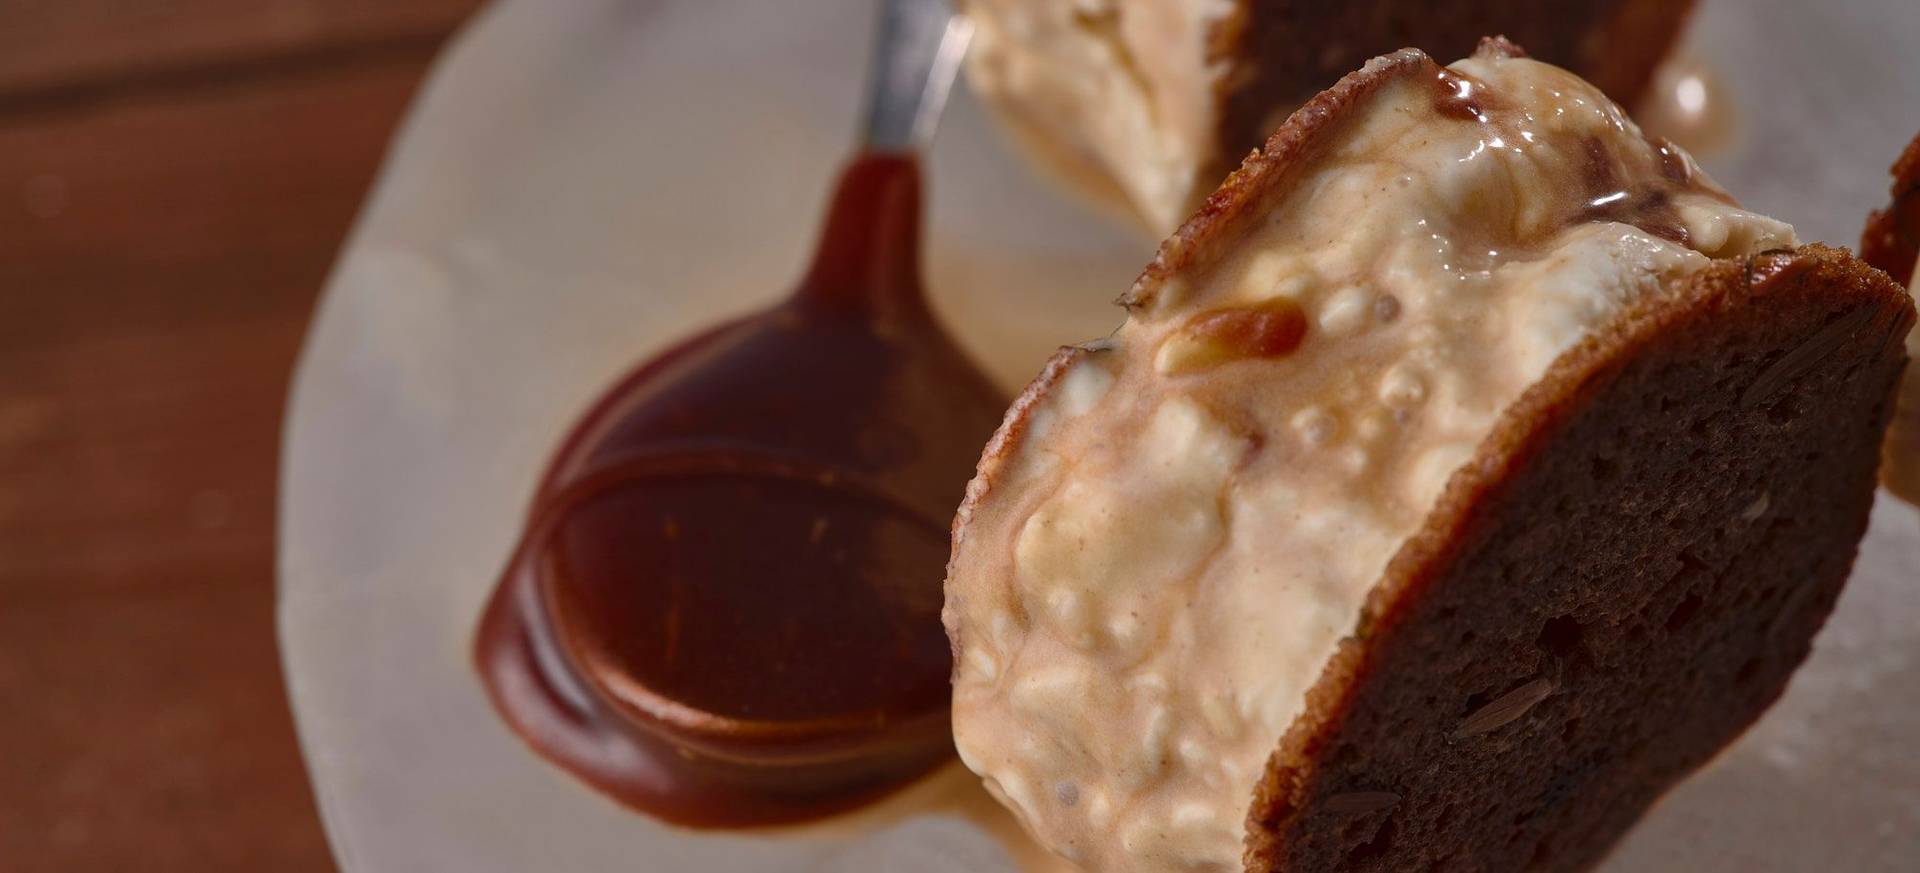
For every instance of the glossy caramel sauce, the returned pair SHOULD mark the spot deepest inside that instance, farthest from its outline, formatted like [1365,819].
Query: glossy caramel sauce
[1643,203]
[725,609]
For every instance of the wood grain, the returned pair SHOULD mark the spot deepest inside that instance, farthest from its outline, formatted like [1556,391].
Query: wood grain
[56,46]
[162,238]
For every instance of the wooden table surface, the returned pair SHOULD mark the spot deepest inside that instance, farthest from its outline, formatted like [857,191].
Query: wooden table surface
[175,179]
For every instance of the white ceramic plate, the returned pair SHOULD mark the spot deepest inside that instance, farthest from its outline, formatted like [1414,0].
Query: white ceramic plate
[584,179]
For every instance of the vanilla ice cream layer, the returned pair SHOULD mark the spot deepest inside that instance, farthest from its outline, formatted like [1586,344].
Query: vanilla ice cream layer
[1190,518]
[1110,93]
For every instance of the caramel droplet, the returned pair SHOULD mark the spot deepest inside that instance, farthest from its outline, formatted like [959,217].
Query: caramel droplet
[1270,329]
[1460,96]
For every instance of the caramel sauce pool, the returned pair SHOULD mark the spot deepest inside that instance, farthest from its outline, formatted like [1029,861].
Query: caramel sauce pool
[725,608]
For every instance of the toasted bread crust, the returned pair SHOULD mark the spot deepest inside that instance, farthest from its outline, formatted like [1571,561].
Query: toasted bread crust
[1233,209]
[1516,693]
[1891,240]
[993,461]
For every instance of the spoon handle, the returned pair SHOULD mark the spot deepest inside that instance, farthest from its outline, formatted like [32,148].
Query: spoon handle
[917,49]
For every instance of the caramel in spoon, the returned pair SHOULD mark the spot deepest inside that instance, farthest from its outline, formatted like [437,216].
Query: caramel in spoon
[726,607]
